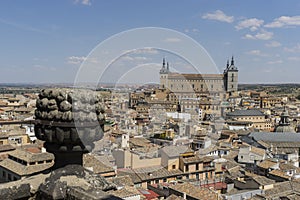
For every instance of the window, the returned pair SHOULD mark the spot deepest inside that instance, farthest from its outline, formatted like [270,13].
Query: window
[197,166]
[187,168]
[173,166]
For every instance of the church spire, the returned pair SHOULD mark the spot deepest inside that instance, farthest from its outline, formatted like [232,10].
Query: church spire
[232,61]
[227,65]
[164,70]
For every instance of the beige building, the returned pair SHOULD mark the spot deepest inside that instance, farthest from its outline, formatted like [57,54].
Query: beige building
[202,93]
[196,167]
[91,163]
[256,117]
[126,158]
[200,83]
[170,156]
[22,163]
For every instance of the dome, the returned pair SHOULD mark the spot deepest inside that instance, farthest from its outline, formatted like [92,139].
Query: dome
[284,124]
[286,129]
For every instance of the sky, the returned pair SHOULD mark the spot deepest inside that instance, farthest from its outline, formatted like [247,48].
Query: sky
[48,41]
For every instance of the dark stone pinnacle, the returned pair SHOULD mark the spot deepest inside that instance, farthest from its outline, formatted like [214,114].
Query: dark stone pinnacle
[69,121]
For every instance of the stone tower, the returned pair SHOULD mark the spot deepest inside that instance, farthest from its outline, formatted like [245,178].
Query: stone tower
[163,75]
[231,77]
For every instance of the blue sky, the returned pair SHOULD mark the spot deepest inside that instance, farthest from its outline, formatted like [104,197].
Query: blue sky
[46,41]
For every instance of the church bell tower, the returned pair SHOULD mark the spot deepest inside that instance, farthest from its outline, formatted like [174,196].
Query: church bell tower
[231,77]
[163,75]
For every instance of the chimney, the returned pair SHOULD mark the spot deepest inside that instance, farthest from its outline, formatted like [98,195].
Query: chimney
[184,195]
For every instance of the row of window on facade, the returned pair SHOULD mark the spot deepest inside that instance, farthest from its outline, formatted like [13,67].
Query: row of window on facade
[23,162]
[8,176]
[193,86]
[197,176]
[197,80]
[251,118]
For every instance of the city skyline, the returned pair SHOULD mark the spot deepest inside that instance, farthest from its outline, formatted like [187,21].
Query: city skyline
[46,42]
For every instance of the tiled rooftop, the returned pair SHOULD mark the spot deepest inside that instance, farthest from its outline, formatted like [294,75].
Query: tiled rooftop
[195,192]
[175,151]
[89,161]
[250,112]
[280,174]
[155,172]
[275,137]
[262,180]
[121,181]
[24,170]
[266,164]
[31,157]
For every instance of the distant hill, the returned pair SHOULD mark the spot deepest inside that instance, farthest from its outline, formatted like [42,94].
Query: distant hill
[285,88]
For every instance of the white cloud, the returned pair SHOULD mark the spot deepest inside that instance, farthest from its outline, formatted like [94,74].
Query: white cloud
[275,62]
[43,68]
[172,40]
[253,24]
[284,21]
[133,58]
[22,26]
[76,60]
[140,58]
[294,49]
[194,30]
[253,28]
[273,44]
[127,58]
[249,36]
[263,35]
[219,16]
[256,52]
[83,2]
[146,50]
[294,58]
